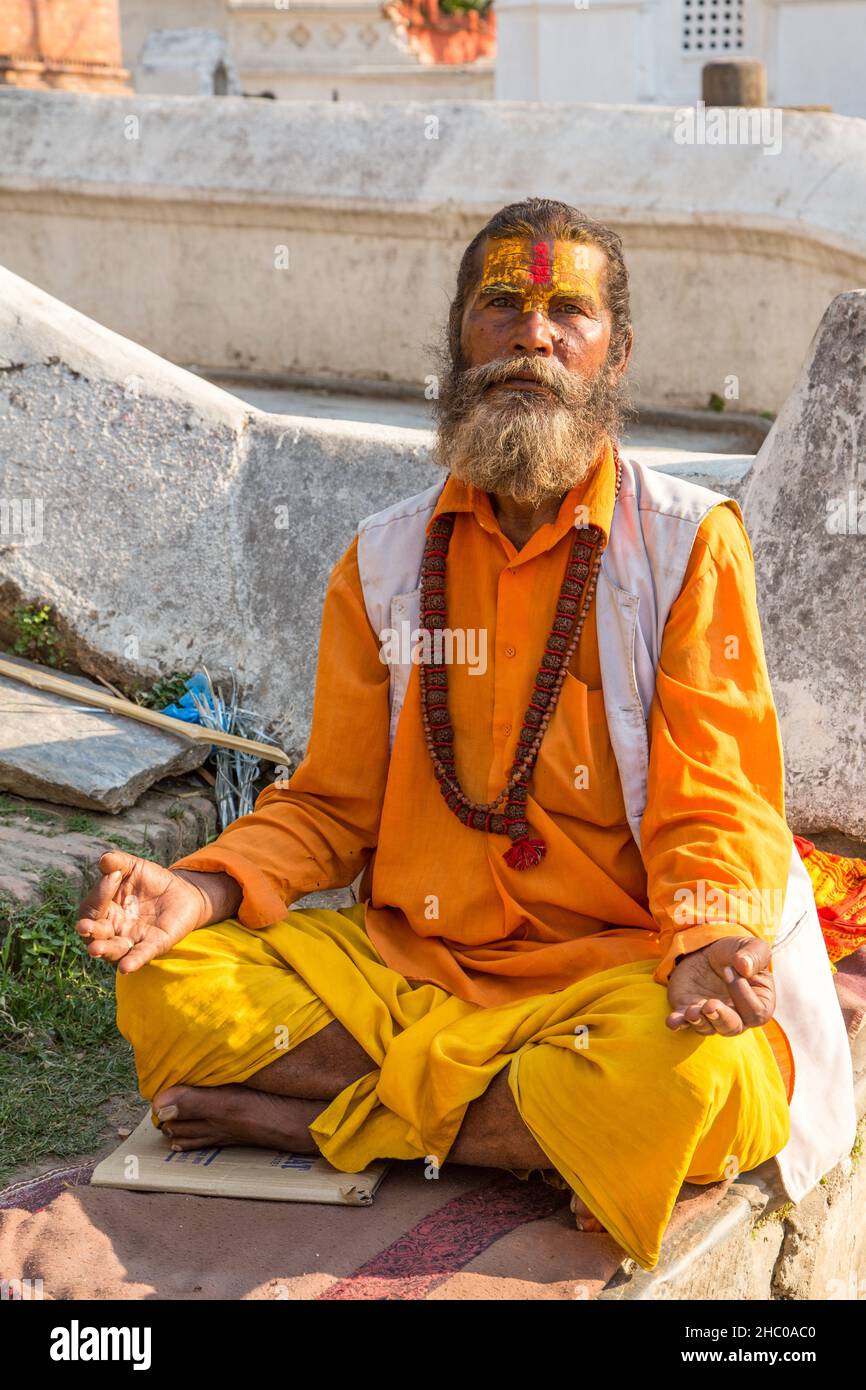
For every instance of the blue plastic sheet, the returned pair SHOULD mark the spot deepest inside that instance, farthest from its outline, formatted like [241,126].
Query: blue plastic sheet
[184,708]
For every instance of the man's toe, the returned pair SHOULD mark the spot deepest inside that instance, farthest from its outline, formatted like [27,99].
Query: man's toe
[184,1102]
[187,1129]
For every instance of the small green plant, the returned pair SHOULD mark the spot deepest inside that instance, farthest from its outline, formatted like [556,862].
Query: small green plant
[716,403]
[12,807]
[777,1217]
[33,933]
[85,825]
[163,692]
[36,637]
[857,1150]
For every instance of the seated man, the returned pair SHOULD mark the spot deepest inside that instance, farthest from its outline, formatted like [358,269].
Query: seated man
[544,738]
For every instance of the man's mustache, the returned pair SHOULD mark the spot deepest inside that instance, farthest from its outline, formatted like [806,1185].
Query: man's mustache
[472,382]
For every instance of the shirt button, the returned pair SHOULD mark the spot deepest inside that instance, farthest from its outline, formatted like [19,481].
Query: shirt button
[506,728]
[512,571]
[509,651]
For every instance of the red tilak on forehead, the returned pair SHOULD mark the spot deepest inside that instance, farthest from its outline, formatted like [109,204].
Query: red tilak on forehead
[539,269]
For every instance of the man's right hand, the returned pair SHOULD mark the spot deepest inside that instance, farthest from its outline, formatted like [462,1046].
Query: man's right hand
[139,910]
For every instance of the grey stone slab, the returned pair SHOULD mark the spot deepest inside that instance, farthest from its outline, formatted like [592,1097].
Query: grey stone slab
[57,750]
[805,507]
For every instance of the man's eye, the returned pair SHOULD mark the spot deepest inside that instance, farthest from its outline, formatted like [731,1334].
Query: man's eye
[502,301]
[571,308]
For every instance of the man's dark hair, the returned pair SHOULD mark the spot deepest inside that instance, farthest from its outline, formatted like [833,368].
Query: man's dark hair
[543,218]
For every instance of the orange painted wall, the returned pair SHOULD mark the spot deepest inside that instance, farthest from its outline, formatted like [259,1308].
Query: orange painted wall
[72,44]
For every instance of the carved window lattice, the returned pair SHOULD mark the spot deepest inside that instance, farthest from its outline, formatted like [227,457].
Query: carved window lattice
[713,26]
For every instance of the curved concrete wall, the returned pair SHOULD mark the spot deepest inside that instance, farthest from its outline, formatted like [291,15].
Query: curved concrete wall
[168,524]
[321,239]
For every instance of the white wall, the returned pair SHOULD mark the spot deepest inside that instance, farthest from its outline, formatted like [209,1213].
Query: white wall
[632,50]
[555,50]
[816,53]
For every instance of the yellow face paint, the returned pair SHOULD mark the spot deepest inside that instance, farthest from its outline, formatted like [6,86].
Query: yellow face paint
[539,271]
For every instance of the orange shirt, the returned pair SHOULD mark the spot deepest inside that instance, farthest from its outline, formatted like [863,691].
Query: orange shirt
[442,904]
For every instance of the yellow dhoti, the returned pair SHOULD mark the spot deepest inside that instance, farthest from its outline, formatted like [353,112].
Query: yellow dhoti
[625,1109]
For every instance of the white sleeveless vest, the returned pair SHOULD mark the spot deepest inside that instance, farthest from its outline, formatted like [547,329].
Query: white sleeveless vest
[654,525]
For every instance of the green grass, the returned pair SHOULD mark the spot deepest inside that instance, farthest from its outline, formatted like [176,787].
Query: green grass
[34,814]
[460,6]
[61,1056]
[144,849]
[40,817]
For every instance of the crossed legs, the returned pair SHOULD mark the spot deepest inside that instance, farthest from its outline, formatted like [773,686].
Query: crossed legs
[275,1107]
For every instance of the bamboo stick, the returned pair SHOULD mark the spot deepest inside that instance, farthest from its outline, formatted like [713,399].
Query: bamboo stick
[56,685]
[113,688]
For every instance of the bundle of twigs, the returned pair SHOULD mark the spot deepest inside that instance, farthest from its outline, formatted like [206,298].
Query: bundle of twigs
[236,769]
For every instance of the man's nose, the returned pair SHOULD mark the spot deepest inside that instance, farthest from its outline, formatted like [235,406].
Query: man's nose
[533,336]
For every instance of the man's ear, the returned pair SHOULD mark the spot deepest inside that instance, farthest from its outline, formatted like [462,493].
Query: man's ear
[620,363]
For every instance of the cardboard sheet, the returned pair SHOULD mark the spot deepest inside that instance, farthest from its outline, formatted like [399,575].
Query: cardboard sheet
[144,1162]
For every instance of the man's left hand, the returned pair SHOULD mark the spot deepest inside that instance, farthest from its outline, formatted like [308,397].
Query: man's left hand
[724,988]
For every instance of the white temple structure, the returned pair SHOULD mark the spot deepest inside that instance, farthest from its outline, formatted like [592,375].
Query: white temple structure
[653,50]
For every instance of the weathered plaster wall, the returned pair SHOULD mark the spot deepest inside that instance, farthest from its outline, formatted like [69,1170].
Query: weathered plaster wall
[321,239]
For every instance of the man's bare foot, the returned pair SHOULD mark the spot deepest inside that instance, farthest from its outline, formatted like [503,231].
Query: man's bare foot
[583,1217]
[200,1117]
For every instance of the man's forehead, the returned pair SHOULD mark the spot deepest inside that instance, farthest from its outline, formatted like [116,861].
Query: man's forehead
[542,262]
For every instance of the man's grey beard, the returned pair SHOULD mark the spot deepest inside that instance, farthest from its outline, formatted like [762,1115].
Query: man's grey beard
[524,444]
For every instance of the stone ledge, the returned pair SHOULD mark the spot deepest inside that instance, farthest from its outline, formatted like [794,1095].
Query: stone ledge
[169,821]
[753,1244]
[374,155]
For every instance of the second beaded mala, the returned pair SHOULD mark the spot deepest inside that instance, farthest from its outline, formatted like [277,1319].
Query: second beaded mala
[575,596]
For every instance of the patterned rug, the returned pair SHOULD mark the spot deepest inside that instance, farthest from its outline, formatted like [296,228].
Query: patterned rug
[35,1193]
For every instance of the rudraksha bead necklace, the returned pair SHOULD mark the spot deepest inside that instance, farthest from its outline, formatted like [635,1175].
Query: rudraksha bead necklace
[575,596]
